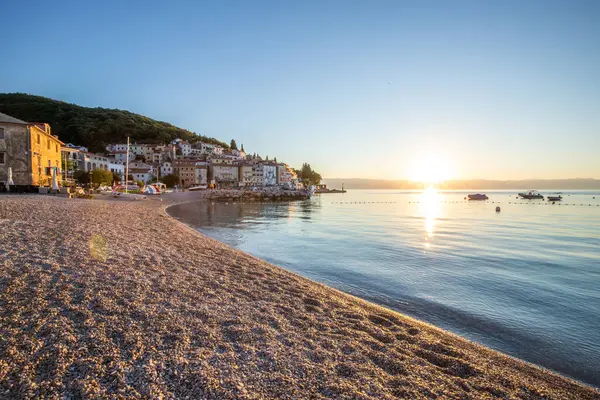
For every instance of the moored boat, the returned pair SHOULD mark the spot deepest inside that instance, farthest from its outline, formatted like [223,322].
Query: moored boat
[198,187]
[554,197]
[531,194]
[477,196]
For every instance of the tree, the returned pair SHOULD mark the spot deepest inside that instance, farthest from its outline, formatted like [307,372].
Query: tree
[117,177]
[68,165]
[170,180]
[81,177]
[307,176]
[275,159]
[233,145]
[242,149]
[139,183]
[99,177]
[94,127]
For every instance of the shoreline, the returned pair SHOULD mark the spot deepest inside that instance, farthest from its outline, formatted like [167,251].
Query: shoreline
[383,306]
[99,298]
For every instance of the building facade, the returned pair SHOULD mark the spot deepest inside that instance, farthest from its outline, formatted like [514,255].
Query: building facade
[224,175]
[246,177]
[30,151]
[140,171]
[185,169]
[166,168]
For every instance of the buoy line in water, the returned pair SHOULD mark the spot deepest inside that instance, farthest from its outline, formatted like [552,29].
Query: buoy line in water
[551,203]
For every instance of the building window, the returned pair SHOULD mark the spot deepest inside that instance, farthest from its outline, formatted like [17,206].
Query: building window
[48,144]
[2,157]
[57,148]
[1,133]
[39,139]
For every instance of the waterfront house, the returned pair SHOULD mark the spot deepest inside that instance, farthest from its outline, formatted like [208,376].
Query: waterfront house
[265,174]
[30,150]
[185,169]
[224,172]
[284,176]
[246,177]
[201,173]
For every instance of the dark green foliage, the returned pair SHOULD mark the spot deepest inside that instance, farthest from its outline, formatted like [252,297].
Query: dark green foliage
[94,127]
[307,176]
[170,180]
[117,176]
[233,144]
[99,177]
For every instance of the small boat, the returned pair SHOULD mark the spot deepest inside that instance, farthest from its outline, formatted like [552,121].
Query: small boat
[477,196]
[531,194]
[198,187]
[554,197]
[151,190]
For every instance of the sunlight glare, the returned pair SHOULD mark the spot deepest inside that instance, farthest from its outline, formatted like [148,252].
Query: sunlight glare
[432,168]
[430,209]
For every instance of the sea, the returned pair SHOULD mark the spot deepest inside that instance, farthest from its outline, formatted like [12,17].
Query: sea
[523,279]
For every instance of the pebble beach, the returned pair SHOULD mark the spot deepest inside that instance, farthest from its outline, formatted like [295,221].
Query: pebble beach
[112,298]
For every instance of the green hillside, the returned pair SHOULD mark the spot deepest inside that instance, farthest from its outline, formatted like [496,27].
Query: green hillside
[93,127]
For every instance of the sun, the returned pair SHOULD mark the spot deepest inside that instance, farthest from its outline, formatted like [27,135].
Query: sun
[431,168]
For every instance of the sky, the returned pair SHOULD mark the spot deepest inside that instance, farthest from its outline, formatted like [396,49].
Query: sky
[358,89]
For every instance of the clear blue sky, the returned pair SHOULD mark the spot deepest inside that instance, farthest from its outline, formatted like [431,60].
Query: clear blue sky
[497,89]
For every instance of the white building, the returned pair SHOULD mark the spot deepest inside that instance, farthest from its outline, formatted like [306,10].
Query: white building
[140,171]
[238,154]
[246,176]
[166,168]
[120,156]
[89,161]
[184,146]
[224,174]
[74,146]
[201,173]
[285,176]
[116,147]
[264,174]
[269,174]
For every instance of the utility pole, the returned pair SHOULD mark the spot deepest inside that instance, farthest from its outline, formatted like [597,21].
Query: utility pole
[127,166]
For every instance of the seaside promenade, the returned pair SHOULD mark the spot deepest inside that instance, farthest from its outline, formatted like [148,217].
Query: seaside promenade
[111,298]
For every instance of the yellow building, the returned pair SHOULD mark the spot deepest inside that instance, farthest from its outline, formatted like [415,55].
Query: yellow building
[30,150]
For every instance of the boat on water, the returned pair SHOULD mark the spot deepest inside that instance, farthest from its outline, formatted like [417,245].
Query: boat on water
[198,187]
[477,196]
[554,197]
[319,189]
[531,194]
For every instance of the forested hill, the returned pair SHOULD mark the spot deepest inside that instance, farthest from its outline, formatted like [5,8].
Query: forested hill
[93,127]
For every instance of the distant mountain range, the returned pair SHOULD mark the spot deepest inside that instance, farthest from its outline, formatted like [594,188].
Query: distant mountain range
[542,184]
[94,127]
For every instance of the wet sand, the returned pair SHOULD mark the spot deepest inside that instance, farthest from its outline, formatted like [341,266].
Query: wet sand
[115,299]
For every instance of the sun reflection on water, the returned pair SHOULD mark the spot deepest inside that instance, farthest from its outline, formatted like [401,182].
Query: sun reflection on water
[430,210]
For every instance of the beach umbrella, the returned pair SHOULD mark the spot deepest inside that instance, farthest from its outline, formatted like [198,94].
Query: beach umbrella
[54,180]
[9,181]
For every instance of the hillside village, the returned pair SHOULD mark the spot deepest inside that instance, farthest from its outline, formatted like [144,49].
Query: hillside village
[33,154]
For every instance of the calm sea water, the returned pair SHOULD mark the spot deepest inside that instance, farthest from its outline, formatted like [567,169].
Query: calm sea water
[525,281]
